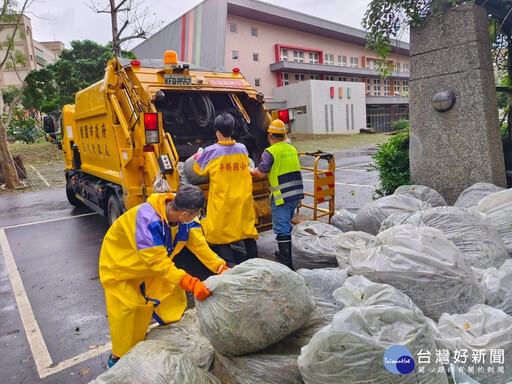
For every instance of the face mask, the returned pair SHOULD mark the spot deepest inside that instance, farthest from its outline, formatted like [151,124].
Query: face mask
[187,222]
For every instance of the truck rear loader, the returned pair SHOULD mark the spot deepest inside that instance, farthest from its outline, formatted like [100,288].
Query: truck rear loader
[126,134]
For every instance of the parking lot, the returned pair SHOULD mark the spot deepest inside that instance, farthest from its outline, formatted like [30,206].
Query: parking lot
[53,325]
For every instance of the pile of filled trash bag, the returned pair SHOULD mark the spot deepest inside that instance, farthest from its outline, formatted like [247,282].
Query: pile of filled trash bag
[398,292]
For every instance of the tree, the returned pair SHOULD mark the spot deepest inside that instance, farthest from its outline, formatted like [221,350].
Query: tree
[127,16]
[385,19]
[50,88]
[11,14]
[23,127]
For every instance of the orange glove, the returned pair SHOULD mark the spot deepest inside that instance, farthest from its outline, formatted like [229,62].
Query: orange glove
[193,284]
[223,269]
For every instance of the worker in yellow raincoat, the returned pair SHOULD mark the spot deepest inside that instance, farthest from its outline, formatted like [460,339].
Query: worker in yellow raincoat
[230,215]
[137,270]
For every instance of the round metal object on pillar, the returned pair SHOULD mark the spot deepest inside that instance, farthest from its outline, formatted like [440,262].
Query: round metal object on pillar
[443,100]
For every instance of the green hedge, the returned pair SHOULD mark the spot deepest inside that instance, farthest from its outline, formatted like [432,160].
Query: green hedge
[392,162]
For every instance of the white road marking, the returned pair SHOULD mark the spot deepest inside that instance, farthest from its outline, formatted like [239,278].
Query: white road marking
[344,167]
[35,339]
[51,220]
[41,176]
[348,184]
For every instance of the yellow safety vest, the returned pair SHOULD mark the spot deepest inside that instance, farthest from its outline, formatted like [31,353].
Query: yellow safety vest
[284,177]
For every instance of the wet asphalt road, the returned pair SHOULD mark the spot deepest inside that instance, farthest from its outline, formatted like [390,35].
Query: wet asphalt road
[57,331]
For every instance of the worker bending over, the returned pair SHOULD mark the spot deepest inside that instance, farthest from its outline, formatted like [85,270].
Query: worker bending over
[280,162]
[230,215]
[137,270]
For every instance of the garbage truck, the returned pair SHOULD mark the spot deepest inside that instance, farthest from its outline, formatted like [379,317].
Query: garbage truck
[125,136]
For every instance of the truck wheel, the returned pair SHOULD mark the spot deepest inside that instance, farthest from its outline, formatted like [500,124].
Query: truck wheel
[70,194]
[114,209]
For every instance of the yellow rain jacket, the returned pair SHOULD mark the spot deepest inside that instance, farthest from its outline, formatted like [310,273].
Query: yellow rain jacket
[138,274]
[230,213]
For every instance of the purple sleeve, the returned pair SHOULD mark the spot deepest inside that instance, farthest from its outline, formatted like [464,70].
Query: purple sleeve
[266,162]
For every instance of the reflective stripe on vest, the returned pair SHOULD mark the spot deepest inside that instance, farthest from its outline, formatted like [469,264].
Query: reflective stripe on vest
[284,177]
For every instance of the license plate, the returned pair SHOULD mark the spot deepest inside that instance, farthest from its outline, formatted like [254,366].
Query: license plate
[177,80]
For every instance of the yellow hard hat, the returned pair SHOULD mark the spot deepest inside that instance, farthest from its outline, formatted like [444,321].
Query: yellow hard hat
[277,126]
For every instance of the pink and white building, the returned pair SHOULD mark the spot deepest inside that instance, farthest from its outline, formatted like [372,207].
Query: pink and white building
[319,70]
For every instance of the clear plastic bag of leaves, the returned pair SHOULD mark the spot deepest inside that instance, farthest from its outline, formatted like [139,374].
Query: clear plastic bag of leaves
[497,284]
[276,364]
[423,264]
[322,283]
[344,220]
[498,208]
[253,305]
[186,337]
[371,215]
[482,328]
[155,362]
[358,291]
[472,232]
[422,193]
[350,241]
[313,245]
[350,350]
[472,195]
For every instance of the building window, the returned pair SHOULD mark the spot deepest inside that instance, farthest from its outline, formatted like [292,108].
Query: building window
[386,87]
[254,31]
[342,78]
[405,67]
[371,64]
[354,62]
[368,86]
[332,117]
[299,77]
[329,59]
[376,87]
[405,86]
[232,28]
[354,79]
[301,111]
[398,67]
[326,118]
[234,55]
[352,115]
[314,77]
[256,82]
[327,77]
[298,56]
[30,57]
[255,57]
[347,116]
[313,57]
[342,61]
[397,87]
[285,79]
[284,54]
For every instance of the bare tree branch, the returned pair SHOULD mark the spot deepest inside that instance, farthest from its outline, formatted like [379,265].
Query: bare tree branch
[131,15]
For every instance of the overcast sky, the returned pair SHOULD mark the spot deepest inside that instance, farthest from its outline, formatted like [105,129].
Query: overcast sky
[67,20]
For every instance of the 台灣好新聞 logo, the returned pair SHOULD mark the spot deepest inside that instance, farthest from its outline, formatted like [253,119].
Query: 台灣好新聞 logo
[398,359]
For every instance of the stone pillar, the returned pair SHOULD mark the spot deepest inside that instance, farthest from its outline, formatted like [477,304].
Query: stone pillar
[449,151]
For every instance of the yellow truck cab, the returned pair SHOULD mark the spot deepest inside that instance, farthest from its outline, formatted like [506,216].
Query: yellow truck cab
[126,134]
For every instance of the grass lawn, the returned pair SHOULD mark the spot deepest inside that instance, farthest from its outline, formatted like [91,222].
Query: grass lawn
[331,143]
[38,153]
